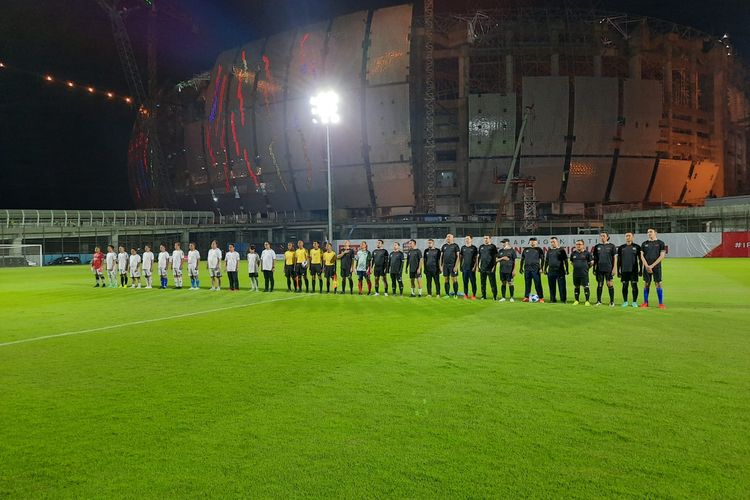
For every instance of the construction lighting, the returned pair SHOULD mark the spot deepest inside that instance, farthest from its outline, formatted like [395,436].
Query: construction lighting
[325,107]
[48,78]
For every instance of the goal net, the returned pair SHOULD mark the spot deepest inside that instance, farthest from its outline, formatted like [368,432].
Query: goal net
[20,255]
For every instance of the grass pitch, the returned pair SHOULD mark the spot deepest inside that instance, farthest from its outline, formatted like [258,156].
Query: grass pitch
[201,394]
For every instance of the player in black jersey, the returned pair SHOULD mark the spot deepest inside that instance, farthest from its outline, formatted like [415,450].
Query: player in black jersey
[556,269]
[346,257]
[449,266]
[380,267]
[581,261]
[469,253]
[653,252]
[432,267]
[415,264]
[396,268]
[506,257]
[487,264]
[532,263]
[628,266]
[604,262]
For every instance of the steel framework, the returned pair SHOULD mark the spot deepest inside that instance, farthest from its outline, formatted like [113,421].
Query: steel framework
[429,107]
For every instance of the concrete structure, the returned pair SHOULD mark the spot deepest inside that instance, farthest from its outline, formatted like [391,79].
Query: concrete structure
[626,111]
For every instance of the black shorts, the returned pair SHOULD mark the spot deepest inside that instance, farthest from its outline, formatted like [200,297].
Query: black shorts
[415,275]
[581,280]
[329,271]
[655,276]
[629,277]
[299,270]
[432,273]
[252,275]
[603,276]
[378,271]
[289,270]
[316,269]
[506,277]
[346,271]
[449,270]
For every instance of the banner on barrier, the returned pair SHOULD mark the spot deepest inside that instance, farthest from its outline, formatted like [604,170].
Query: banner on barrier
[734,244]
[678,244]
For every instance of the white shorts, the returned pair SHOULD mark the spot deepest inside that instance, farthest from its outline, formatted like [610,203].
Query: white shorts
[135,274]
[215,273]
[147,272]
[123,271]
[177,272]
[163,272]
[193,271]
[98,271]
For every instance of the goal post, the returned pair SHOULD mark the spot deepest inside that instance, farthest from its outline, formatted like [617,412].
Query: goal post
[20,255]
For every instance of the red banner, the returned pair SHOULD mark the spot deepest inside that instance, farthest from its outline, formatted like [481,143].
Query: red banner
[734,244]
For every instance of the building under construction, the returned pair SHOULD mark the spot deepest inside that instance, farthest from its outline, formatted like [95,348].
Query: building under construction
[521,112]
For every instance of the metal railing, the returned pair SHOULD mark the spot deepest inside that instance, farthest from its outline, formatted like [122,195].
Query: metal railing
[679,220]
[103,218]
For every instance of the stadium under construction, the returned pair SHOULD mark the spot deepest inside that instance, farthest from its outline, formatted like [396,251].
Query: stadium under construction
[610,112]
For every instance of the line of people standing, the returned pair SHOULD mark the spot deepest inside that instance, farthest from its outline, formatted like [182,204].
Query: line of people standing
[629,262]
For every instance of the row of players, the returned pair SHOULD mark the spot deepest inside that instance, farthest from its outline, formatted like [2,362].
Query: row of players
[629,261]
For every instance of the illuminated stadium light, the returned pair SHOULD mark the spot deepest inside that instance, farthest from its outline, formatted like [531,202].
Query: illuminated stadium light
[325,107]
[91,89]
[48,78]
[325,110]
[2,65]
[70,84]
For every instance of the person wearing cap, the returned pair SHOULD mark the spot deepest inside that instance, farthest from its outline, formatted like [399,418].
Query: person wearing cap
[532,262]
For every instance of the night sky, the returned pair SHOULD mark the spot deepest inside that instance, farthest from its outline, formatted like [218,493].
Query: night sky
[62,148]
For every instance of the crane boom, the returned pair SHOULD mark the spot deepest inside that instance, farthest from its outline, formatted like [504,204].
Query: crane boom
[143,100]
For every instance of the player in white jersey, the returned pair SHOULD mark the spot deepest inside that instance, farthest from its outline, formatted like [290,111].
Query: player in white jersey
[163,264]
[231,263]
[147,265]
[111,262]
[122,266]
[214,265]
[177,256]
[253,264]
[135,264]
[194,258]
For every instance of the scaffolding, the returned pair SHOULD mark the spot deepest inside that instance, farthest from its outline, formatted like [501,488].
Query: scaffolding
[490,51]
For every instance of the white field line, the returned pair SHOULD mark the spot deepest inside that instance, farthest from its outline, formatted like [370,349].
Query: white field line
[144,321]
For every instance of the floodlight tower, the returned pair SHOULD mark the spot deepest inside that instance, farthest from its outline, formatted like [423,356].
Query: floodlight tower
[325,110]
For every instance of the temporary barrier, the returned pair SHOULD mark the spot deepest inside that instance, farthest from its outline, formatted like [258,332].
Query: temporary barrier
[678,244]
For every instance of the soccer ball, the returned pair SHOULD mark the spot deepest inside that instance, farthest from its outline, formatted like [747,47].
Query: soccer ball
[534,298]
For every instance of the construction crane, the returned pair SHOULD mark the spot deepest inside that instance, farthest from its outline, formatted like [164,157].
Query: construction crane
[145,102]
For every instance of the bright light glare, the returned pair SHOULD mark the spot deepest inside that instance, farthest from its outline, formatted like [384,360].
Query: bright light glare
[325,107]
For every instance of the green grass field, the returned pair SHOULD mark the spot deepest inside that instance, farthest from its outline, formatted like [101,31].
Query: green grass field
[166,393]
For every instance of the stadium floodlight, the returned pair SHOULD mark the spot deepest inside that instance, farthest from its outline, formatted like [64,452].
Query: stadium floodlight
[325,110]
[325,107]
